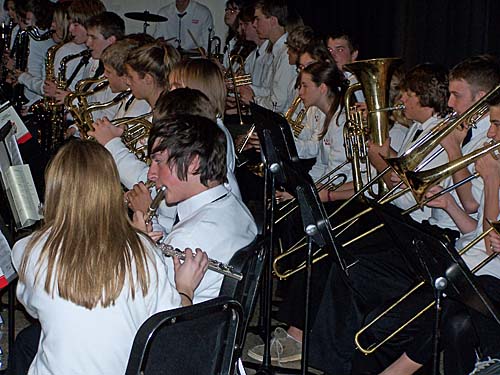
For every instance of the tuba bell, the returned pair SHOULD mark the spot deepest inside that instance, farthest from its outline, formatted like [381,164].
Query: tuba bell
[375,78]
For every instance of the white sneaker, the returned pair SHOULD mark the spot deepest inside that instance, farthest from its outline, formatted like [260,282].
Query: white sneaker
[284,348]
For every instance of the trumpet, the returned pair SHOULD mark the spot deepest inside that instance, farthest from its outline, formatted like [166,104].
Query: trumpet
[213,265]
[374,346]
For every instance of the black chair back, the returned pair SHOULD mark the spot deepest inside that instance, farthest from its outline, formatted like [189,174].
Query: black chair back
[193,340]
[250,262]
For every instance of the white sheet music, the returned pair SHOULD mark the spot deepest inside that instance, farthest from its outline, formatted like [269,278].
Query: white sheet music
[22,195]
[6,268]
[8,113]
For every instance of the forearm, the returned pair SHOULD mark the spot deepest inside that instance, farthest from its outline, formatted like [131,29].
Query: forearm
[464,222]
[464,192]
[491,205]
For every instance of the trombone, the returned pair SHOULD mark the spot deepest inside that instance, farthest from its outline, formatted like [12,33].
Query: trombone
[412,159]
[374,346]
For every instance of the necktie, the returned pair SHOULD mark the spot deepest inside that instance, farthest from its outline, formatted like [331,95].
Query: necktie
[415,136]
[180,15]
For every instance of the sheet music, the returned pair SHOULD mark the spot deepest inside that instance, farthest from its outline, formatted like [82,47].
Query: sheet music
[23,195]
[8,113]
[9,151]
[6,267]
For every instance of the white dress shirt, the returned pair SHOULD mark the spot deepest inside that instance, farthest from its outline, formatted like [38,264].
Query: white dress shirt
[67,49]
[407,200]
[330,150]
[197,19]
[132,107]
[478,252]
[216,222]
[76,340]
[282,80]
[398,134]
[258,65]
[32,79]
[440,217]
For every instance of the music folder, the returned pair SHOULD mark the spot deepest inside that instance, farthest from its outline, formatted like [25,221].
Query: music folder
[17,181]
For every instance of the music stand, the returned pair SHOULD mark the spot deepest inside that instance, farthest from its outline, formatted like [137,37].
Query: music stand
[439,263]
[281,159]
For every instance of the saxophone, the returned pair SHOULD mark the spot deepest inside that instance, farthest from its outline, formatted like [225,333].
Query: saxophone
[57,115]
[41,108]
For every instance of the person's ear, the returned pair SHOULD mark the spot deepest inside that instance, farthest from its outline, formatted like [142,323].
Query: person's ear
[194,166]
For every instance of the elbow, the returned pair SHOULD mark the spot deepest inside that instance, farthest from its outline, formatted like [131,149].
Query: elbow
[471,207]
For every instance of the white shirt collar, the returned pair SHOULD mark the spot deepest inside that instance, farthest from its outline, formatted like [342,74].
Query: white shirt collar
[430,122]
[280,43]
[189,206]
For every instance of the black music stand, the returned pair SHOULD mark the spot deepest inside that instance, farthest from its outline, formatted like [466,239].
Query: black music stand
[439,263]
[283,167]
[9,234]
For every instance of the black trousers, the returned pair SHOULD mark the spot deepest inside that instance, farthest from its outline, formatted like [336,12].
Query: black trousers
[24,351]
[340,300]
[464,332]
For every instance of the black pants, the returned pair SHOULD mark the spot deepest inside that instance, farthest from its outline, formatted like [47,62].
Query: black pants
[24,351]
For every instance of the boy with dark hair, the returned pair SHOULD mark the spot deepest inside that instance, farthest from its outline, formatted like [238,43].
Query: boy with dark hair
[188,156]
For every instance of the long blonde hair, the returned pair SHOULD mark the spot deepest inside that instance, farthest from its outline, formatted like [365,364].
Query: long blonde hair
[91,244]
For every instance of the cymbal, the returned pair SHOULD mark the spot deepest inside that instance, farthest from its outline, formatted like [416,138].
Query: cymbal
[145,16]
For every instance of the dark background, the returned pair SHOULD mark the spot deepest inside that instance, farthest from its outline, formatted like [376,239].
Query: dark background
[441,31]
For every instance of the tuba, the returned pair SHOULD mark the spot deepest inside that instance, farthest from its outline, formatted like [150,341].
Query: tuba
[375,78]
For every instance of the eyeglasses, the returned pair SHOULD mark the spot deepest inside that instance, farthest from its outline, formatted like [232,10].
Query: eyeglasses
[231,10]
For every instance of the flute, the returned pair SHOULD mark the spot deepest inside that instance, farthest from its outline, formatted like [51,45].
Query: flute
[213,265]
[160,195]
[168,250]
